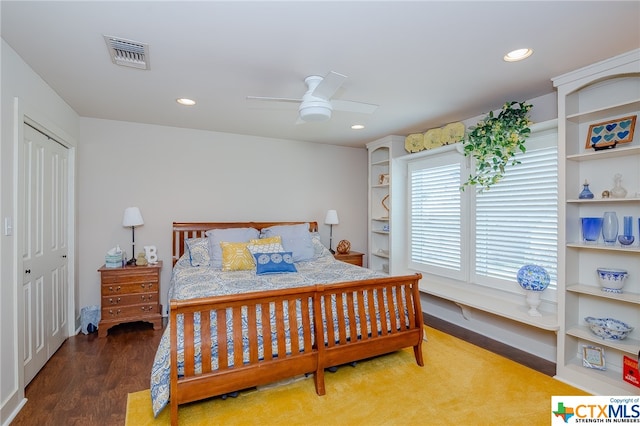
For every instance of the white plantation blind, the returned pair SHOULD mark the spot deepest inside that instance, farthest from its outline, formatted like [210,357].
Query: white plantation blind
[516,221]
[485,238]
[436,214]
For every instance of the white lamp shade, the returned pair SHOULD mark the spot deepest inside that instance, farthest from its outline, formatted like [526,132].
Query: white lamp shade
[132,217]
[331,218]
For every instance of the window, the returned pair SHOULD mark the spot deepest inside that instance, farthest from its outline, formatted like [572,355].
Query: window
[436,231]
[484,238]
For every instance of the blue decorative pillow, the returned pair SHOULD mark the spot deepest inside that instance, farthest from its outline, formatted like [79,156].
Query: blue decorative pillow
[198,250]
[274,263]
[295,238]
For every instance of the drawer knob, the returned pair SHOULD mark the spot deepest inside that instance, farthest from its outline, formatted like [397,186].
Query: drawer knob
[148,297]
[147,308]
[116,289]
[114,302]
[117,312]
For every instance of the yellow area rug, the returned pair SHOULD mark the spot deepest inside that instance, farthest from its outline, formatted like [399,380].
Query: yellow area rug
[460,384]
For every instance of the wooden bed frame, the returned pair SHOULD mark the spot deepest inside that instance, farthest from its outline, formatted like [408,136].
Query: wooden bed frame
[303,356]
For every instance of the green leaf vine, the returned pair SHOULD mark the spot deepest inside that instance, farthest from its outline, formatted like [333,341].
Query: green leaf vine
[494,142]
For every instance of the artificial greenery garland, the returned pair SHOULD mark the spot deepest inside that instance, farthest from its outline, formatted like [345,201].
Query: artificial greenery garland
[494,142]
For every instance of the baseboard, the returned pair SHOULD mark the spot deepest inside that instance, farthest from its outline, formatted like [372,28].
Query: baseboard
[540,364]
[15,412]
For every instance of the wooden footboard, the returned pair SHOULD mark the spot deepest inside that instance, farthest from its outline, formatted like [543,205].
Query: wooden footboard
[393,313]
[250,316]
[354,320]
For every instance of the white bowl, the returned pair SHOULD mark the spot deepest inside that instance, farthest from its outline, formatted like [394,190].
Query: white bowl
[608,328]
[612,280]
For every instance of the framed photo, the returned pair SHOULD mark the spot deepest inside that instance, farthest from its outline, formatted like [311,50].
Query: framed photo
[593,357]
[383,179]
[608,134]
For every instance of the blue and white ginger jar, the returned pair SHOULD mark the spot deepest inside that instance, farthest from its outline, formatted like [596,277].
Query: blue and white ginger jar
[533,277]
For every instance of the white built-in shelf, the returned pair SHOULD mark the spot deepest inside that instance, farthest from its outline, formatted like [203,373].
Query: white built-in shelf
[626,296]
[604,200]
[609,110]
[608,381]
[376,231]
[619,151]
[627,345]
[381,254]
[632,248]
[381,219]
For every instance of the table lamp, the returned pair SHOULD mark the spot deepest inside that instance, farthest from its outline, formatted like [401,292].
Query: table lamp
[132,217]
[331,219]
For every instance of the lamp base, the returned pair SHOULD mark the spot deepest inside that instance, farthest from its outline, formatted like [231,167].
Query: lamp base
[332,251]
[131,262]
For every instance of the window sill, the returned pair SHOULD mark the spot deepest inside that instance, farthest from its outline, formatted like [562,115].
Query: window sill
[494,301]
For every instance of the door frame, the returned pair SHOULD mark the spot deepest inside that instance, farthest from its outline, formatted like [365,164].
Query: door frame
[24,114]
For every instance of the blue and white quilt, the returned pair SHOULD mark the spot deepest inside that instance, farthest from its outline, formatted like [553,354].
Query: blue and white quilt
[190,282]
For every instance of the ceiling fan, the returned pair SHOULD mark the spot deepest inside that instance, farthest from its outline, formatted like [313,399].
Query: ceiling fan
[316,104]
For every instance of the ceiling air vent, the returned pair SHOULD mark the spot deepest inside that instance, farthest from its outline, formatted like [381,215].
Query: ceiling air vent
[128,53]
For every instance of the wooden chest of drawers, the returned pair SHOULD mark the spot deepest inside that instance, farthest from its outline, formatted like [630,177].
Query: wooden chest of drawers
[130,294]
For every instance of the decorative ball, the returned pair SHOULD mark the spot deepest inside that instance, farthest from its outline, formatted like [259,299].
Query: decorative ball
[344,246]
[533,277]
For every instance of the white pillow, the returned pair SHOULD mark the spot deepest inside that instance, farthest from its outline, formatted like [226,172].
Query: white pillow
[295,238]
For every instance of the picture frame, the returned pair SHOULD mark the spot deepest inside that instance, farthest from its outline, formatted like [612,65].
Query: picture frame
[383,179]
[607,134]
[593,357]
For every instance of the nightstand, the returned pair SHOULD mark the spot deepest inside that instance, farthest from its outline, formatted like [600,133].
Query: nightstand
[353,257]
[130,294]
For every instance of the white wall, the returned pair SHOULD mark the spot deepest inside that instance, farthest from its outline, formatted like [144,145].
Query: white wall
[23,94]
[175,174]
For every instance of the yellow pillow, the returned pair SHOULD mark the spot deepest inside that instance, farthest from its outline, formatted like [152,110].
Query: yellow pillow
[236,257]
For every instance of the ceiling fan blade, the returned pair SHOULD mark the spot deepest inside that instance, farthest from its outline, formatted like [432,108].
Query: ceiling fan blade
[267,98]
[329,85]
[352,106]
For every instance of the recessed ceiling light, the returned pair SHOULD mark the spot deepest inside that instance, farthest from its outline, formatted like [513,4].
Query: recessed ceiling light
[357,127]
[185,101]
[518,55]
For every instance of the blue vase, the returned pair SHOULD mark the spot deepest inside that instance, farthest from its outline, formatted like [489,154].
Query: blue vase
[591,229]
[586,192]
[627,238]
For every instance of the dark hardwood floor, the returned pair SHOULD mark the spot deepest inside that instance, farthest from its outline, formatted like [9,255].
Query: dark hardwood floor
[87,380]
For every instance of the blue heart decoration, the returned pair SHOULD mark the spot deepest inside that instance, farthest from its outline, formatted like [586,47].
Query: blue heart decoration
[612,126]
[609,136]
[595,139]
[623,135]
[598,129]
[625,124]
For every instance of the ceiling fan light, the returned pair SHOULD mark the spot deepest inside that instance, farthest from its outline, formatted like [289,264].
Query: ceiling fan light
[315,113]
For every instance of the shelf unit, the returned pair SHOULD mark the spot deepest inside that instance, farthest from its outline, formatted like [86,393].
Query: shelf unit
[381,153]
[604,91]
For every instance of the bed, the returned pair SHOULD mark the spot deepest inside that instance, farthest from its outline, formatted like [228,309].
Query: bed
[230,330]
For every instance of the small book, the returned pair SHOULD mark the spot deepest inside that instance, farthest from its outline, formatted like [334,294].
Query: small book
[630,371]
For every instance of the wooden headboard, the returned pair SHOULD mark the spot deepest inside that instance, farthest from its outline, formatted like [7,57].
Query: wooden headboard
[184,230]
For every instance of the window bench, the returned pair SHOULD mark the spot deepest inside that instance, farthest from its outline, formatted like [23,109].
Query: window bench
[507,305]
